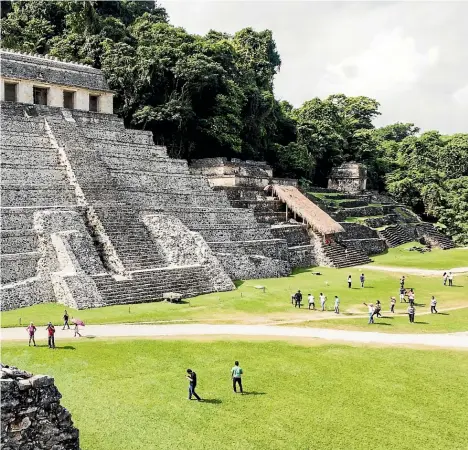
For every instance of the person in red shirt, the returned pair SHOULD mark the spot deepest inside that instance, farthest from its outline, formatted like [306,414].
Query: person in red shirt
[31,330]
[50,332]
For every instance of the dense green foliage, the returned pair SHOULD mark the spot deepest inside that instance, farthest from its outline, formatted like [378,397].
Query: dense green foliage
[212,95]
[132,394]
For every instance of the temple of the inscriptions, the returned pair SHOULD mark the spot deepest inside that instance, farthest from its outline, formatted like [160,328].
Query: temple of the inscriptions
[95,214]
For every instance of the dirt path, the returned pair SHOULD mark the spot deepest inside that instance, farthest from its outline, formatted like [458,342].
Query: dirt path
[449,340]
[414,271]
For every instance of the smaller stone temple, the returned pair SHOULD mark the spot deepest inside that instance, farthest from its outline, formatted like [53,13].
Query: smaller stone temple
[350,177]
[235,172]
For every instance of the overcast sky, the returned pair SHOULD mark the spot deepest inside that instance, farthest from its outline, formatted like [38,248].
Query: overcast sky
[411,56]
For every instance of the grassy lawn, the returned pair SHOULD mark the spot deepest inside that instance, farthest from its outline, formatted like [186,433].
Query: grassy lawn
[250,305]
[436,259]
[132,395]
[446,322]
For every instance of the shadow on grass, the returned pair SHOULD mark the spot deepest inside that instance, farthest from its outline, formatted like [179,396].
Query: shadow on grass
[443,314]
[57,347]
[382,323]
[238,283]
[254,393]
[422,323]
[214,401]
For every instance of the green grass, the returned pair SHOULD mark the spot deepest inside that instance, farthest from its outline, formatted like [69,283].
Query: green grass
[250,305]
[361,219]
[436,259]
[451,321]
[132,395]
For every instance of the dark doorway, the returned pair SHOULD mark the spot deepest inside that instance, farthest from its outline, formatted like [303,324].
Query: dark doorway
[10,92]
[93,103]
[68,99]
[40,95]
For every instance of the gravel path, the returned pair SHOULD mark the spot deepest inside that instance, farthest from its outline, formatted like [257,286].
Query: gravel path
[449,340]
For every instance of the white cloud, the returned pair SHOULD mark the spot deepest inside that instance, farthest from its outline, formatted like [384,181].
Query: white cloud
[461,96]
[390,64]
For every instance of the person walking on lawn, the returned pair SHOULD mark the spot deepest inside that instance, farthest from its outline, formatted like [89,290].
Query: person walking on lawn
[311,300]
[349,281]
[450,278]
[323,299]
[362,279]
[377,309]
[236,375]
[31,331]
[402,282]
[433,305]
[445,275]
[50,333]
[392,304]
[192,377]
[65,320]
[77,330]
[337,305]
[298,299]
[370,308]
[402,295]
[411,313]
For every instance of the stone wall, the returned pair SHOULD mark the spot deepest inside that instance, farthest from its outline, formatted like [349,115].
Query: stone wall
[32,417]
[356,231]
[349,177]
[368,246]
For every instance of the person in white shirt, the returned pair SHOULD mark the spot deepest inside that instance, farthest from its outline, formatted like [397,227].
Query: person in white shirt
[323,299]
[337,305]
[450,278]
[370,308]
[433,305]
[349,281]
[311,300]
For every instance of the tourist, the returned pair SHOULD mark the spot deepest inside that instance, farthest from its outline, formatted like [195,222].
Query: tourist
[411,313]
[445,276]
[392,304]
[31,330]
[236,374]
[402,294]
[77,330]
[65,320]
[192,377]
[402,281]
[411,297]
[323,299]
[311,300]
[337,305]
[298,299]
[51,332]
[450,278]
[349,281]
[362,279]
[377,309]
[433,305]
[370,308]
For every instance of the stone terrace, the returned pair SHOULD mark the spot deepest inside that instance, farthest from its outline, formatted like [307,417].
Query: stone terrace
[104,182]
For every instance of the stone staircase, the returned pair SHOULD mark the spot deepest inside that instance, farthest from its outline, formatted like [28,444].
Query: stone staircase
[433,237]
[150,285]
[131,239]
[396,235]
[341,256]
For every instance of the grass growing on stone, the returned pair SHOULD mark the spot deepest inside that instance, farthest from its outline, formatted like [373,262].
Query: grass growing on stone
[436,259]
[248,304]
[131,394]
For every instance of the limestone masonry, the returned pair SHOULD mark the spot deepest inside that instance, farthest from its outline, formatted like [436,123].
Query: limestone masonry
[94,214]
[32,417]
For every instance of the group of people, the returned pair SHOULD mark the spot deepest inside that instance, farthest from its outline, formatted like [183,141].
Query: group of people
[448,276]
[31,329]
[236,377]
[296,300]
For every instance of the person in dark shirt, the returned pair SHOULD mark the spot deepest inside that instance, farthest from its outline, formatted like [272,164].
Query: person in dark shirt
[411,313]
[65,320]
[298,298]
[192,377]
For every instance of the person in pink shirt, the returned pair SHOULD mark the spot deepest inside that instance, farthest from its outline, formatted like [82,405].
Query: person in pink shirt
[31,330]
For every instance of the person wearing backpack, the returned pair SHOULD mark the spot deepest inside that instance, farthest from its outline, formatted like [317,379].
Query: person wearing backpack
[236,375]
